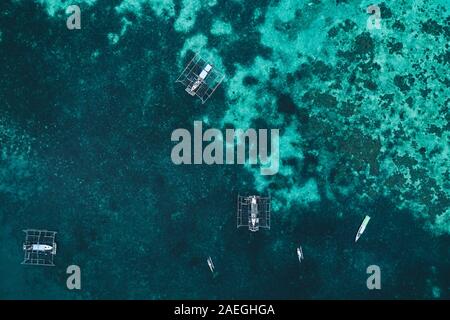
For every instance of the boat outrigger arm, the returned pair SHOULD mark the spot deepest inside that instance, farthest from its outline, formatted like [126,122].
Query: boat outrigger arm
[362,228]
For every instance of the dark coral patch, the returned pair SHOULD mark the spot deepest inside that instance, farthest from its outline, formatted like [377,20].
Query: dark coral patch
[250,81]
[346,26]
[304,72]
[387,100]
[398,25]
[443,58]
[320,98]
[395,47]
[404,83]
[303,115]
[333,32]
[369,84]
[286,104]
[321,70]
[385,12]
[432,27]
[364,43]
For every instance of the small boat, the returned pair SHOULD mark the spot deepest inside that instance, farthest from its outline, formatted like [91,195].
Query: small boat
[362,227]
[210,264]
[300,254]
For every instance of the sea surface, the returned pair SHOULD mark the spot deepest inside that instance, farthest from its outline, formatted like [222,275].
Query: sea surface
[86,117]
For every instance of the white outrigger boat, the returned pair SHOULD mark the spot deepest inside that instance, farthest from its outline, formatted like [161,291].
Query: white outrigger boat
[201,78]
[210,265]
[300,254]
[39,247]
[362,228]
[253,212]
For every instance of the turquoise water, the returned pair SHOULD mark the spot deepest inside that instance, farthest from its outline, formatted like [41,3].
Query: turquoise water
[86,118]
